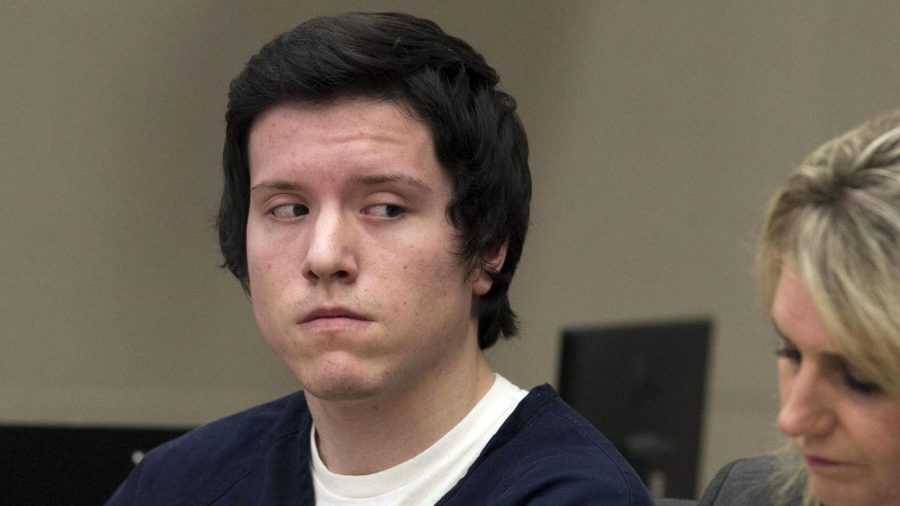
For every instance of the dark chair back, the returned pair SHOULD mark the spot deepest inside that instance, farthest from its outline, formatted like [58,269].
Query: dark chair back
[643,385]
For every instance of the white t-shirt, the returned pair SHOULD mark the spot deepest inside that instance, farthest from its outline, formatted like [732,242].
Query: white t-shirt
[425,478]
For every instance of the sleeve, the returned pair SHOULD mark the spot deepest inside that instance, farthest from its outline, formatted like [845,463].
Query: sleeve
[715,486]
[564,479]
[126,494]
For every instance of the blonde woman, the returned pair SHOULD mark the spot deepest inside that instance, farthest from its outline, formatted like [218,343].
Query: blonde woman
[829,265]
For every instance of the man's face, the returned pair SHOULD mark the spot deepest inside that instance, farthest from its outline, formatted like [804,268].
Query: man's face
[353,273]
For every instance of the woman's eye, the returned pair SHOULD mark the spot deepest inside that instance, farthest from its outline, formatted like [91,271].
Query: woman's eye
[289,211]
[385,210]
[790,353]
[855,382]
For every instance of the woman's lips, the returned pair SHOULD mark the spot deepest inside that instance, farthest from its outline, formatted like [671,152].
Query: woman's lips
[814,461]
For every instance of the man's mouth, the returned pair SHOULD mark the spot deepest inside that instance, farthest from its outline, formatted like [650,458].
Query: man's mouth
[333,320]
[328,313]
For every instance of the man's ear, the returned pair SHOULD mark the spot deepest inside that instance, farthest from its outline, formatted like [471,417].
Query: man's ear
[491,261]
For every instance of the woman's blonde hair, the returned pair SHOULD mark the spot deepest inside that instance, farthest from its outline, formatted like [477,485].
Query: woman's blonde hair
[838,217]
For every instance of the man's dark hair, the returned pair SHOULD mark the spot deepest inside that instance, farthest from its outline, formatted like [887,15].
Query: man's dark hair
[444,83]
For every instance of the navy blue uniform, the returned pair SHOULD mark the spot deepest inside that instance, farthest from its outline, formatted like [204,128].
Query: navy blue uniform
[544,453]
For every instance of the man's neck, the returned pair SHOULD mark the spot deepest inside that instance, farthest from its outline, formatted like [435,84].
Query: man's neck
[370,435]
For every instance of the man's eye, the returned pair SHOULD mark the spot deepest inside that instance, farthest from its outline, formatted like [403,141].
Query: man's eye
[384,210]
[288,211]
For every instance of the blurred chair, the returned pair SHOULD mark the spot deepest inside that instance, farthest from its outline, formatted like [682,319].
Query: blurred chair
[70,465]
[643,385]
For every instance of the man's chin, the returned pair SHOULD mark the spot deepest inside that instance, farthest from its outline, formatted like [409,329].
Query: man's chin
[341,389]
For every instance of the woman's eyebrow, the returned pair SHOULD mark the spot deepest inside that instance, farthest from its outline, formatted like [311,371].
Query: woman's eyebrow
[829,358]
[781,334]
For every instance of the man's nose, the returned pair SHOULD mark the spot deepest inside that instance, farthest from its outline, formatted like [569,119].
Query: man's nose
[331,250]
[805,406]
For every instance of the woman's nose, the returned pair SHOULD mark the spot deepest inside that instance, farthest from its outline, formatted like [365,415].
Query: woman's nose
[805,405]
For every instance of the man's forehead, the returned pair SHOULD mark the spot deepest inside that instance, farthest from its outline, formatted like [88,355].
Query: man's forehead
[398,107]
[343,121]
[367,141]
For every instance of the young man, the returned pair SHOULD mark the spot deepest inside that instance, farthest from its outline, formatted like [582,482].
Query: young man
[375,207]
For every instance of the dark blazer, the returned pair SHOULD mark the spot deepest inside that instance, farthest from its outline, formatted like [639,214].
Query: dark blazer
[671,501]
[745,482]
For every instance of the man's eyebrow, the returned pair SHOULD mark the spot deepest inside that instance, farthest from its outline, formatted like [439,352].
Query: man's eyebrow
[366,180]
[378,179]
[275,185]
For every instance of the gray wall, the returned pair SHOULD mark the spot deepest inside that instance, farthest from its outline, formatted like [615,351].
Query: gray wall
[658,130]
